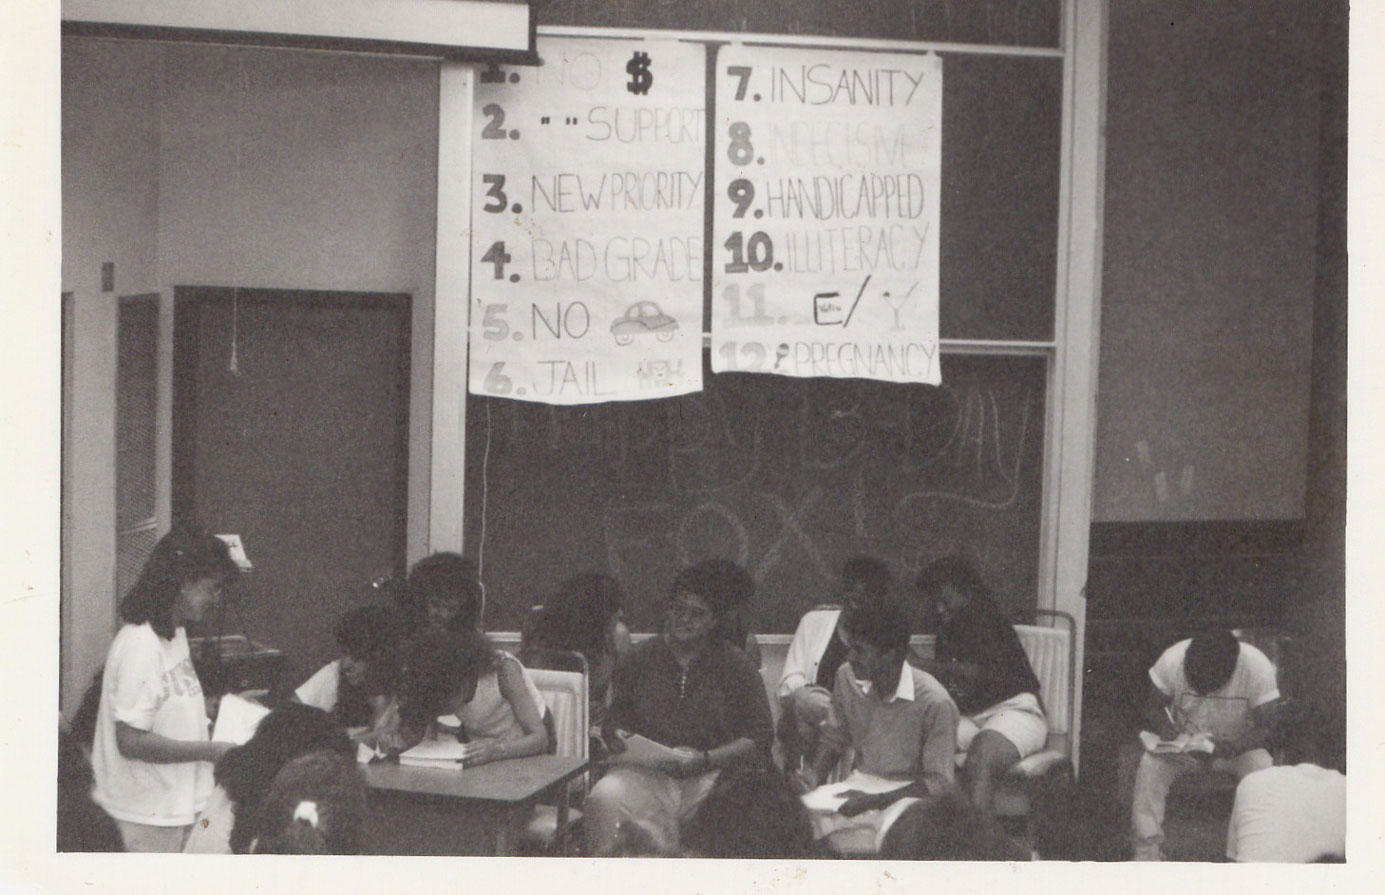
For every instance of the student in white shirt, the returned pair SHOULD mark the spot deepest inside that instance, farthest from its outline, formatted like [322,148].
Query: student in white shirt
[153,754]
[357,687]
[810,666]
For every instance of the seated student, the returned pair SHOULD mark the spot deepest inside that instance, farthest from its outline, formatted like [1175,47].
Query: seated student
[499,709]
[1293,813]
[315,806]
[750,814]
[1211,686]
[984,667]
[584,616]
[947,826]
[244,774]
[899,720]
[815,653]
[689,691]
[357,687]
[733,628]
[443,592]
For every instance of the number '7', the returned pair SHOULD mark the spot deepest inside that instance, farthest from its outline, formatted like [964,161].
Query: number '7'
[742,72]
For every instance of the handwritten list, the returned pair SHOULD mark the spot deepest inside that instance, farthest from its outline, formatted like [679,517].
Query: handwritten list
[825,221]
[587,250]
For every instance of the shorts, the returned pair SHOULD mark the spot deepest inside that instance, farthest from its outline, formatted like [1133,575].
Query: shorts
[1019,719]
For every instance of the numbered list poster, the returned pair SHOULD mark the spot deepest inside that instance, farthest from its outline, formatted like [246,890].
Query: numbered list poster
[825,258]
[587,257]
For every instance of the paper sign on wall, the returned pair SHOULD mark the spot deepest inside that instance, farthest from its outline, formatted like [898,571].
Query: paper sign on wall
[587,256]
[825,254]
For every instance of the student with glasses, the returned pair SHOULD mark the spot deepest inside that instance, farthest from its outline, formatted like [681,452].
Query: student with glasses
[689,690]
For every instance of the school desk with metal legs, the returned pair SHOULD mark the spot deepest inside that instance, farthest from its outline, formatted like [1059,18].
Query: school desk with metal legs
[475,811]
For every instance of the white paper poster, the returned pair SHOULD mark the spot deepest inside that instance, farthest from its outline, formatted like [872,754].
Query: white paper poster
[588,179]
[826,207]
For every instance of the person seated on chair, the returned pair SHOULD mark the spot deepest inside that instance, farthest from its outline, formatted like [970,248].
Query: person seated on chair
[984,667]
[815,653]
[734,625]
[1222,694]
[1295,812]
[458,674]
[898,720]
[443,591]
[687,690]
[585,617]
[356,688]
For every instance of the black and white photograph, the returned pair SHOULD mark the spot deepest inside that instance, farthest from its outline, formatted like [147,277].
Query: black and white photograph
[811,439]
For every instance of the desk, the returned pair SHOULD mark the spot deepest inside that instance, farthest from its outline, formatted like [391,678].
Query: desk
[444,811]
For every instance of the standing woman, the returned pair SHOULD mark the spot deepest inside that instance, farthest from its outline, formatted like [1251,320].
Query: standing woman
[153,754]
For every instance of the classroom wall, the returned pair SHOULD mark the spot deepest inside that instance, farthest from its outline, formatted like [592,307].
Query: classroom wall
[190,164]
[1209,261]
[302,170]
[110,212]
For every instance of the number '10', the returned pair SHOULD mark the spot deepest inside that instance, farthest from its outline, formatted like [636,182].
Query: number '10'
[759,249]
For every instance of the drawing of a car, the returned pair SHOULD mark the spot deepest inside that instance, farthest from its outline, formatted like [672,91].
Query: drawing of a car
[640,318]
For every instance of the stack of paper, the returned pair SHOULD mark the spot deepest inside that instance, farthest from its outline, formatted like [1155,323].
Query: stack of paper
[446,753]
[641,750]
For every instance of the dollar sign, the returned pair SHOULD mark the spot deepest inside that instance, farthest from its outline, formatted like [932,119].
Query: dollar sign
[638,70]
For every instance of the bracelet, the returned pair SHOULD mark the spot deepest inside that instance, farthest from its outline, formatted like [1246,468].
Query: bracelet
[706,760]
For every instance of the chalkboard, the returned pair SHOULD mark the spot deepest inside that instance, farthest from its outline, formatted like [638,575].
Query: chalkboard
[788,477]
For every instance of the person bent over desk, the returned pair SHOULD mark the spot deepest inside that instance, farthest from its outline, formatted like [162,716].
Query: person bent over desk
[689,690]
[899,720]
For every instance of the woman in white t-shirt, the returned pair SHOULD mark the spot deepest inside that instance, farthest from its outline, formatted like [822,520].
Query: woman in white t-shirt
[153,753]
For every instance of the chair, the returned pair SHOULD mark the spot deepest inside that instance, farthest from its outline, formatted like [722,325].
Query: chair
[565,693]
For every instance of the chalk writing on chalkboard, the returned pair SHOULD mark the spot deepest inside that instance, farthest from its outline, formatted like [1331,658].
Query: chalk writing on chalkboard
[786,477]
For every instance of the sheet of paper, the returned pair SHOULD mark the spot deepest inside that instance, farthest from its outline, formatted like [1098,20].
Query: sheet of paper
[643,751]
[237,719]
[829,798]
[1182,743]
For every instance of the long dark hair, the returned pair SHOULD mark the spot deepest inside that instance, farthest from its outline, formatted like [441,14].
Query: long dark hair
[579,617]
[182,556]
[247,771]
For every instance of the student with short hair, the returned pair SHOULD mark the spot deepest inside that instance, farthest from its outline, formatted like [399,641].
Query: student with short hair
[1214,686]
[356,687]
[750,814]
[983,665]
[687,689]
[898,720]
[947,826]
[815,653]
[152,755]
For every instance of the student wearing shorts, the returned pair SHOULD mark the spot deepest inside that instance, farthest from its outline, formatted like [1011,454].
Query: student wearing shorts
[984,667]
